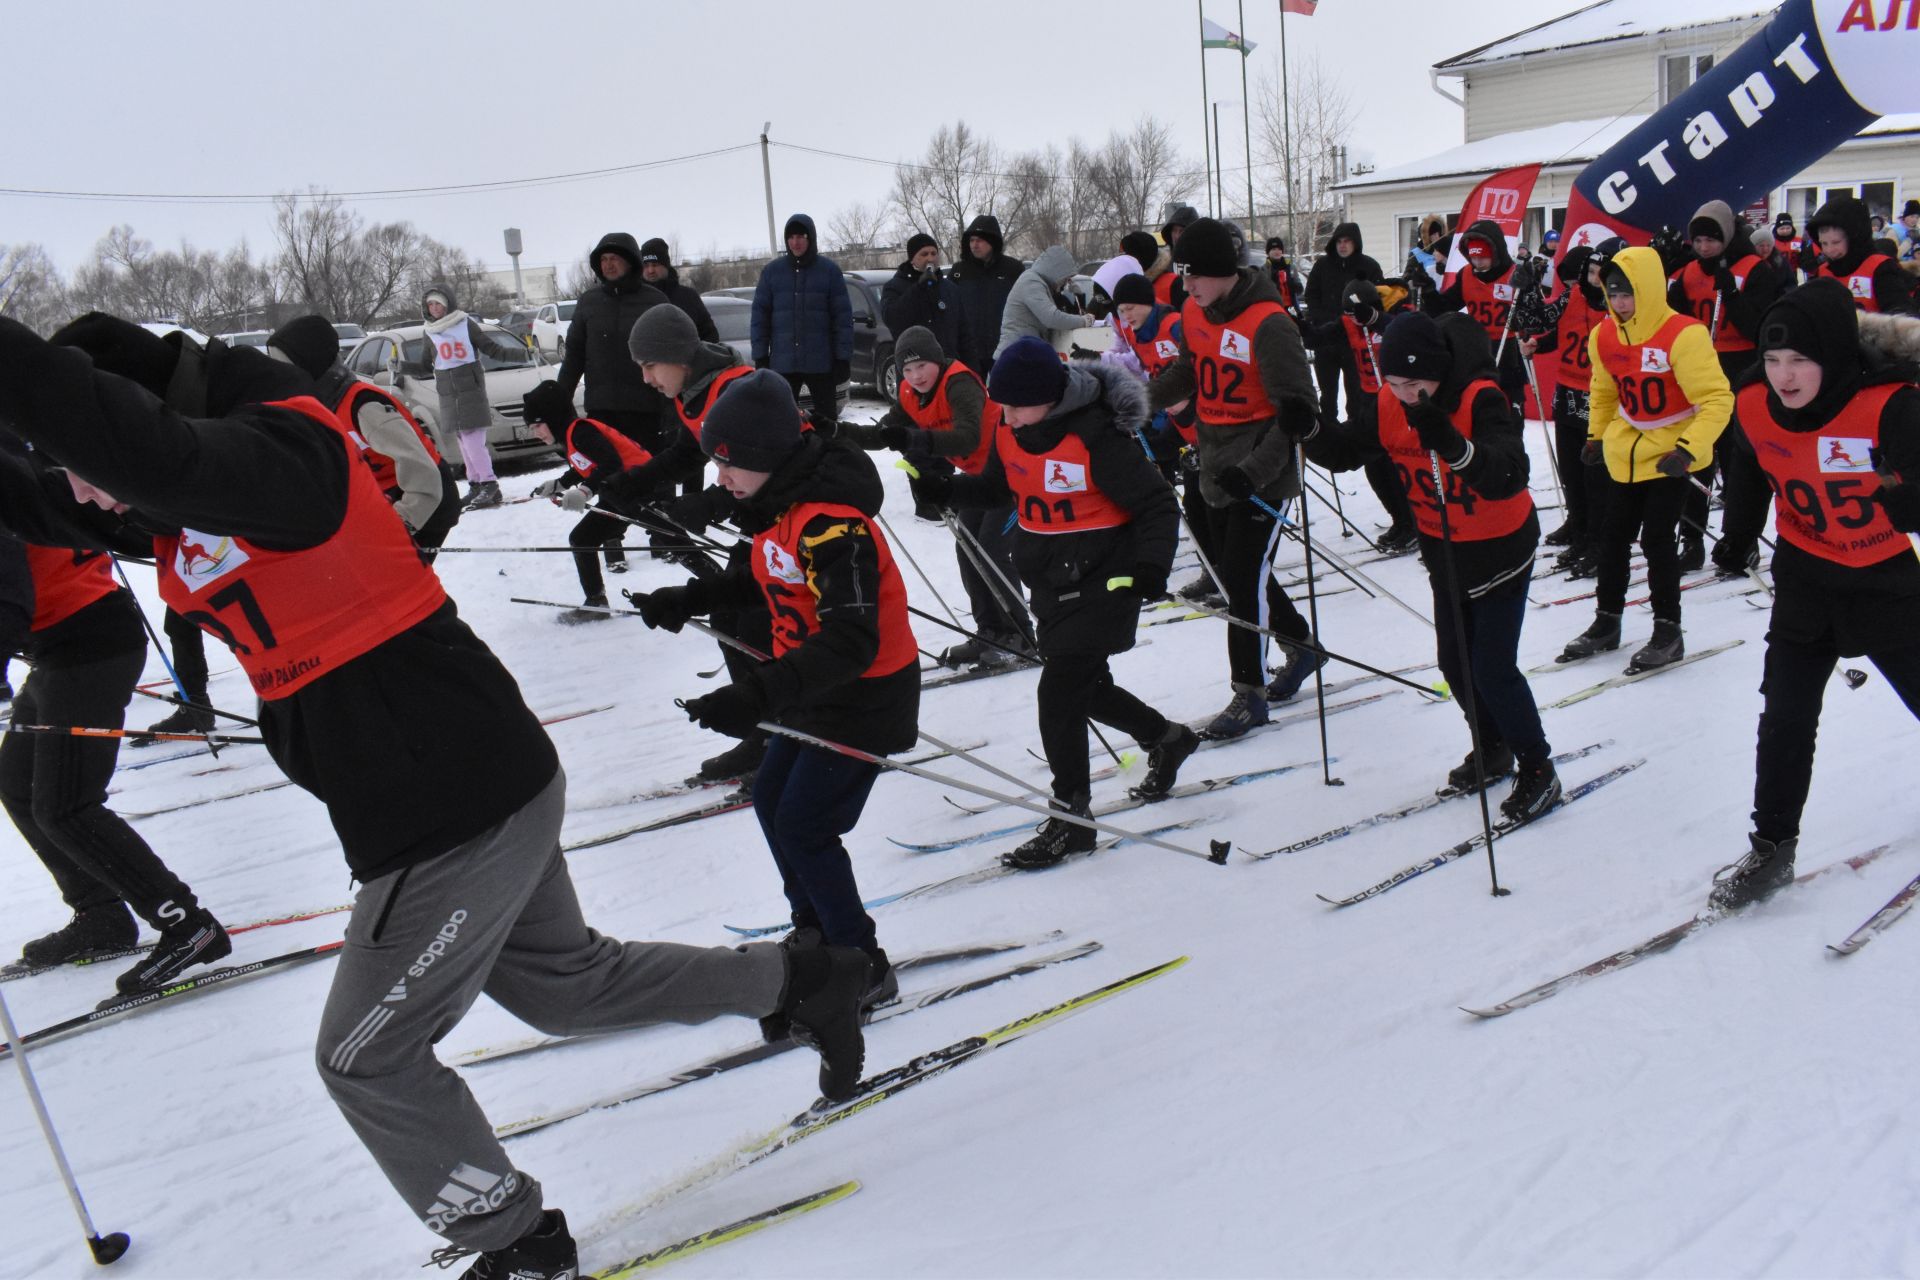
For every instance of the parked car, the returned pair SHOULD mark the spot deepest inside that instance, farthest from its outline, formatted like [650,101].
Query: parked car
[246,338]
[385,358]
[872,363]
[350,335]
[519,323]
[733,317]
[550,325]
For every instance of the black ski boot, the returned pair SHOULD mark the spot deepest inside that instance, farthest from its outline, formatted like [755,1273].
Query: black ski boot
[1693,552]
[776,1027]
[1164,760]
[1301,664]
[1561,537]
[825,989]
[196,717]
[1730,562]
[1536,789]
[1584,565]
[592,609]
[545,1253]
[1765,871]
[1499,763]
[1244,712]
[1665,649]
[965,653]
[1055,841]
[94,931]
[482,495]
[883,982]
[1603,635]
[1201,591]
[198,939]
[737,761]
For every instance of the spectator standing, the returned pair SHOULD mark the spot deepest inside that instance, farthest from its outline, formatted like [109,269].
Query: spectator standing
[657,269]
[803,322]
[922,294]
[597,344]
[1336,268]
[981,280]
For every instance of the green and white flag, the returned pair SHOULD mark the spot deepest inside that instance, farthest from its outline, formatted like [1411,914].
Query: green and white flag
[1215,36]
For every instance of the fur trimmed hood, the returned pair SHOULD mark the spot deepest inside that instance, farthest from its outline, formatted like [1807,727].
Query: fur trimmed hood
[1890,337]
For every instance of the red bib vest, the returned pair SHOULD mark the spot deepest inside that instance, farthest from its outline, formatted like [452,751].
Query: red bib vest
[66,581]
[1283,281]
[1054,492]
[1700,291]
[1489,302]
[1823,480]
[1471,517]
[791,599]
[1574,367]
[1650,396]
[714,389]
[937,414]
[1859,281]
[1230,391]
[631,454]
[383,472]
[294,616]
[1157,352]
[1163,288]
[1365,345]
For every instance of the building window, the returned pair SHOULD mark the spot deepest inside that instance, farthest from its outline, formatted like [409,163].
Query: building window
[1678,71]
[1878,196]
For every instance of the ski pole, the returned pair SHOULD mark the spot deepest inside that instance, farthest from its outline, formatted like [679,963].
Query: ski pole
[1313,624]
[1464,660]
[1553,454]
[79,731]
[1346,570]
[1771,545]
[159,645]
[500,551]
[894,539]
[105,1249]
[1218,849]
[1312,647]
[1011,602]
[175,702]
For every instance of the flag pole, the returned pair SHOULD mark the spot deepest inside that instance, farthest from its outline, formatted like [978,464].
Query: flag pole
[1246,117]
[1206,149]
[1286,126]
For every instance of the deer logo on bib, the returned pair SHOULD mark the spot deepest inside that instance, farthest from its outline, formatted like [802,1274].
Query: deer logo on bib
[1654,360]
[1234,346]
[201,558]
[1065,477]
[782,566]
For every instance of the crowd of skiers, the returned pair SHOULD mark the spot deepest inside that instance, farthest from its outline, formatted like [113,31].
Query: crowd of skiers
[1064,434]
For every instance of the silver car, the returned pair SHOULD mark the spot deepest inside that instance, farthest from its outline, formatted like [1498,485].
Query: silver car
[385,358]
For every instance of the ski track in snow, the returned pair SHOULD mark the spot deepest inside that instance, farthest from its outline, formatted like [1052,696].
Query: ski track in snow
[1304,1099]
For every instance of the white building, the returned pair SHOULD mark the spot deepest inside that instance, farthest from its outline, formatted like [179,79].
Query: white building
[1564,91]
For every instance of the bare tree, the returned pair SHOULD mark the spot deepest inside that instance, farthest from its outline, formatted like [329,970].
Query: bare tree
[332,262]
[30,288]
[1321,110]
[1139,172]
[956,179]
[859,227]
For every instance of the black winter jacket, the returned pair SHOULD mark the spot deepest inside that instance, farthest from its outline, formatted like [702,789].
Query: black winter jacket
[982,288]
[1327,281]
[911,298]
[687,298]
[597,337]
[1893,289]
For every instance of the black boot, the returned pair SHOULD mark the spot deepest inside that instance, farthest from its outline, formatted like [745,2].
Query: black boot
[1398,540]
[1765,871]
[1664,649]
[883,983]
[962,654]
[1561,537]
[737,761]
[1055,841]
[1693,552]
[1201,591]
[1463,777]
[198,939]
[1603,635]
[484,494]
[592,609]
[195,717]
[94,931]
[1164,760]
[1301,664]
[1730,561]
[545,1253]
[825,988]
[1536,790]
[804,936]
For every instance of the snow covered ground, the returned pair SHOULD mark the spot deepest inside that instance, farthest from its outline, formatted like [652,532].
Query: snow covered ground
[1303,1099]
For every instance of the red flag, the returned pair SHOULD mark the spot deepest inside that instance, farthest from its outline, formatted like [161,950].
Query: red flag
[1302,7]
[1503,199]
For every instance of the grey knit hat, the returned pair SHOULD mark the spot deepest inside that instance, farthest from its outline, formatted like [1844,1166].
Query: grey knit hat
[918,343]
[663,335]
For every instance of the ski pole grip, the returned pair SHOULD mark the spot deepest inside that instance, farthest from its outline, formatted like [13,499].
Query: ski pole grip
[1120,583]
[907,467]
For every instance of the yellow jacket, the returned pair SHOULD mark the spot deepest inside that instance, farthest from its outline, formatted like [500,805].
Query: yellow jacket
[1631,453]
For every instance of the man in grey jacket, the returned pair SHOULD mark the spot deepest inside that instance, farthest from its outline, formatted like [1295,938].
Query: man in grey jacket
[1033,309]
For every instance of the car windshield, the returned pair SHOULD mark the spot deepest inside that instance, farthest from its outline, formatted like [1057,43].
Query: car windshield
[566,311]
[416,352]
[350,331]
[733,323]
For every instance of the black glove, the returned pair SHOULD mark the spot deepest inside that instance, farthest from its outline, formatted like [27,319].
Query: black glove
[931,487]
[1674,465]
[1435,429]
[842,371]
[760,362]
[1149,581]
[1593,454]
[1809,257]
[633,486]
[1077,352]
[1900,500]
[1235,483]
[693,512]
[666,609]
[895,437]
[734,710]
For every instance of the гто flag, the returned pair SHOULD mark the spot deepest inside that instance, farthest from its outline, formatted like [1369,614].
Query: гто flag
[1215,36]
[1503,199]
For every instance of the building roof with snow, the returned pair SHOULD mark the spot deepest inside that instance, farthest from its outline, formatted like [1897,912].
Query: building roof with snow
[1606,21]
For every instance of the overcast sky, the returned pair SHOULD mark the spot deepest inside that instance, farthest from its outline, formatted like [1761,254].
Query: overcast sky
[251,98]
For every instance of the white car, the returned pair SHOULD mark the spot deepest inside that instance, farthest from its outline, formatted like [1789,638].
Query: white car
[393,358]
[550,325]
[350,336]
[246,337]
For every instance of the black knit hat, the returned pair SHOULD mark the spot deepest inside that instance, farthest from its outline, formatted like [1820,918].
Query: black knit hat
[1133,288]
[1028,372]
[755,426]
[655,250]
[310,342]
[1141,247]
[549,404]
[1414,348]
[123,347]
[1910,208]
[1207,249]
[920,240]
[1784,220]
[918,343]
[1276,242]
[663,335]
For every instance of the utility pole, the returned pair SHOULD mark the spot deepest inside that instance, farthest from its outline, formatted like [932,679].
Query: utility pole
[766,175]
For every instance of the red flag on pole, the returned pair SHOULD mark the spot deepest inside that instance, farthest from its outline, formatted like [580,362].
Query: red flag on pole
[1503,199]
[1302,7]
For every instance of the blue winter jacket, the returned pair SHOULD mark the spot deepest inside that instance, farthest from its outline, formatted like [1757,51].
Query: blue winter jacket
[802,320]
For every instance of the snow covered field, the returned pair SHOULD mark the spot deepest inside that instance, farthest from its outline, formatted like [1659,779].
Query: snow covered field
[1303,1099]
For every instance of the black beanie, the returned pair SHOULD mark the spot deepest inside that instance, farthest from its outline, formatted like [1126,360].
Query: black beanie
[1784,220]
[1911,207]
[549,404]
[1276,242]
[655,250]
[124,348]
[920,240]
[1206,249]
[310,342]
[754,426]
[1141,247]
[1028,372]
[918,343]
[663,335]
[1413,348]
[1133,287]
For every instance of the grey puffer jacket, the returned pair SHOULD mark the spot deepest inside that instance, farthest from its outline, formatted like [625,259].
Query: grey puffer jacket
[462,388]
[1031,311]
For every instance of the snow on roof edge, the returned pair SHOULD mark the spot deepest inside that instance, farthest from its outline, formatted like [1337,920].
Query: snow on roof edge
[1516,45]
